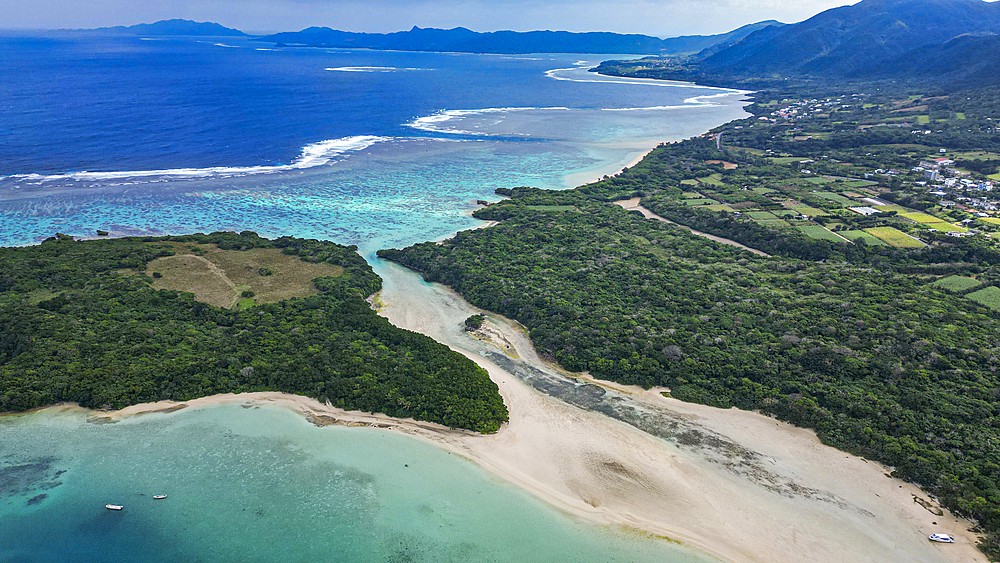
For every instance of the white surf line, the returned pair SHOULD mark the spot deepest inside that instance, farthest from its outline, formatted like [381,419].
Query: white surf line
[313,155]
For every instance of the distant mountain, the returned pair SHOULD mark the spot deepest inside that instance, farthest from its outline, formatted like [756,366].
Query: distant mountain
[855,39]
[952,43]
[173,27]
[463,40]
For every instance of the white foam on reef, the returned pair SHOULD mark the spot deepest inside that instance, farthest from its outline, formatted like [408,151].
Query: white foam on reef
[433,122]
[569,75]
[371,69]
[316,154]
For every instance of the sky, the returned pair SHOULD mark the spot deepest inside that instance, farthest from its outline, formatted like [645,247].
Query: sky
[663,18]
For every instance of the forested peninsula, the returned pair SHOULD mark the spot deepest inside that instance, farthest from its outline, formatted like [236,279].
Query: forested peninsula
[111,323]
[874,321]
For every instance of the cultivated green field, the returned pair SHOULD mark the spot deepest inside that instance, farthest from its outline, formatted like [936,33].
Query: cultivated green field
[988,296]
[855,235]
[957,284]
[818,232]
[837,198]
[895,237]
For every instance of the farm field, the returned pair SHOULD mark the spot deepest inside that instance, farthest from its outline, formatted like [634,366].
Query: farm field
[819,232]
[836,198]
[988,296]
[957,284]
[856,235]
[895,237]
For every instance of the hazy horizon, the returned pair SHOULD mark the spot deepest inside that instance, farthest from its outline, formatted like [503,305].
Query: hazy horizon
[661,18]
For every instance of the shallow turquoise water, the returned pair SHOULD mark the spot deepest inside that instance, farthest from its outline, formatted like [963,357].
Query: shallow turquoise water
[262,484]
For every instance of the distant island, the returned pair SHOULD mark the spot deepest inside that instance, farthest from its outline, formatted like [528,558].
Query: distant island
[457,40]
[462,40]
[171,27]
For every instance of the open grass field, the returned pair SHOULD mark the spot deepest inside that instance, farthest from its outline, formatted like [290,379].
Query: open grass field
[988,296]
[764,190]
[859,183]
[689,182]
[959,115]
[819,232]
[836,198]
[218,277]
[761,215]
[818,180]
[700,201]
[691,195]
[784,212]
[994,177]
[957,284]
[895,237]
[713,180]
[991,220]
[776,223]
[720,207]
[923,119]
[861,235]
[918,217]
[810,211]
[787,159]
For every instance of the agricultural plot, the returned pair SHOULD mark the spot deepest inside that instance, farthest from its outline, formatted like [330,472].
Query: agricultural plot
[957,284]
[720,207]
[836,198]
[990,220]
[689,182]
[764,191]
[810,211]
[819,180]
[819,232]
[918,217]
[700,201]
[713,180]
[895,237]
[988,296]
[761,215]
[784,213]
[923,119]
[959,115]
[691,195]
[861,235]
[772,223]
[859,183]
[787,159]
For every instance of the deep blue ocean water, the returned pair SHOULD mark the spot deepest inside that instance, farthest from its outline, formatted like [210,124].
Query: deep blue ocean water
[379,149]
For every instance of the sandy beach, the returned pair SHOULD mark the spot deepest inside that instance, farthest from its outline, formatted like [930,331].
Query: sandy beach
[735,485]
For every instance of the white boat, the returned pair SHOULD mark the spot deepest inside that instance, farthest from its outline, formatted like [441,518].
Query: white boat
[113,506]
[158,497]
[941,538]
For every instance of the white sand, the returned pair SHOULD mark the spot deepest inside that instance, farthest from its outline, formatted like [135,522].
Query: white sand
[801,501]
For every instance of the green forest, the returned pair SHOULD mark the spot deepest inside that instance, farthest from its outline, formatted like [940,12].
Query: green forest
[862,342]
[80,322]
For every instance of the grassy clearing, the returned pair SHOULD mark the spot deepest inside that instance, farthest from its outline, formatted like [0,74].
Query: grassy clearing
[691,195]
[819,180]
[895,237]
[861,235]
[923,119]
[918,217]
[994,176]
[700,201]
[957,284]
[988,296]
[820,232]
[761,215]
[860,183]
[720,207]
[689,182]
[712,180]
[991,220]
[787,159]
[810,211]
[776,223]
[959,115]
[218,277]
[836,198]
[763,191]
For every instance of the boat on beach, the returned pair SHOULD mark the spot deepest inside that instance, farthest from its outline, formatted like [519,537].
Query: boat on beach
[941,538]
[113,506]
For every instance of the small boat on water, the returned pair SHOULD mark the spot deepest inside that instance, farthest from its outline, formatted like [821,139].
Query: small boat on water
[941,538]
[113,506]
[158,497]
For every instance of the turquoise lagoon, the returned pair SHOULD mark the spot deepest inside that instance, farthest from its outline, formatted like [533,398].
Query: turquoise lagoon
[262,484]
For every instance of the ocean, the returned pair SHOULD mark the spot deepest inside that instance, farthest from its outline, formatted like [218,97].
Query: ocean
[380,149]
